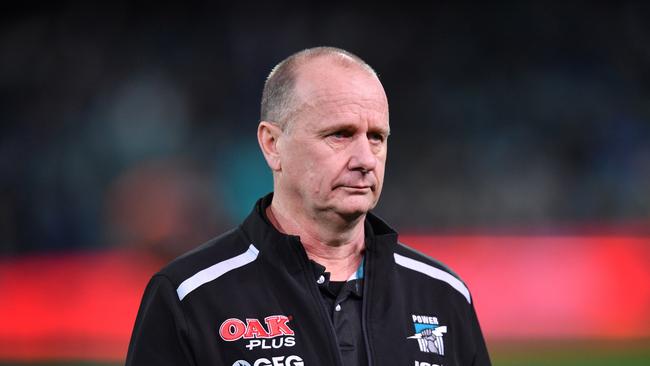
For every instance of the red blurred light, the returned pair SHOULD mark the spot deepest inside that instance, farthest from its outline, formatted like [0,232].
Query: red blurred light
[83,306]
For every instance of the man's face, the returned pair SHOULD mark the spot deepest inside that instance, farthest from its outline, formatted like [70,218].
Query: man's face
[333,153]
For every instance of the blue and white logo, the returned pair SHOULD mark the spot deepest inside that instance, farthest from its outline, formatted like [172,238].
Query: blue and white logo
[429,334]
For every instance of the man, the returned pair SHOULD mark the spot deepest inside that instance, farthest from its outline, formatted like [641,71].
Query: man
[312,277]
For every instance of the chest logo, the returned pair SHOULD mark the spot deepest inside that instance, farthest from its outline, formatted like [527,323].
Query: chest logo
[429,334]
[292,360]
[262,335]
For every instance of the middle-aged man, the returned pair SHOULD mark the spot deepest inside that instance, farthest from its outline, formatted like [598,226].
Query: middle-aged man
[311,277]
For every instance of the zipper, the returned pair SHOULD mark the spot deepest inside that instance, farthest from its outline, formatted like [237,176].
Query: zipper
[316,296]
[366,304]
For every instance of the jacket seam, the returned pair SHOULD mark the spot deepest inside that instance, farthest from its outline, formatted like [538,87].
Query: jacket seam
[180,306]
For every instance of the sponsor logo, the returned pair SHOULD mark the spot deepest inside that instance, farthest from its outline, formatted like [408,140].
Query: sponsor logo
[274,333]
[234,329]
[429,335]
[418,363]
[292,360]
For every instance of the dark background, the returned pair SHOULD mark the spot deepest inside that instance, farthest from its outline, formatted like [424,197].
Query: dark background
[134,123]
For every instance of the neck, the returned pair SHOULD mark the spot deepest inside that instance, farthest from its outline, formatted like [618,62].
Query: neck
[338,248]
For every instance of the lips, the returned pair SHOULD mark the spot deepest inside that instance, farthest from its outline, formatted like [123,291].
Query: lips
[356,187]
[357,184]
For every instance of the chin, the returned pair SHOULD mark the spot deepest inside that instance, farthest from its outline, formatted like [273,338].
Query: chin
[354,208]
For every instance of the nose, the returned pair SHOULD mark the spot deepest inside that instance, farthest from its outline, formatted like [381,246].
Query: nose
[362,157]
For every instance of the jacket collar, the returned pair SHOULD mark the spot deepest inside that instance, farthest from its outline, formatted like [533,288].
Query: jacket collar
[260,232]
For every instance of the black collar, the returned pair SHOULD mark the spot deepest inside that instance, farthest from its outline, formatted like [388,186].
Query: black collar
[261,233]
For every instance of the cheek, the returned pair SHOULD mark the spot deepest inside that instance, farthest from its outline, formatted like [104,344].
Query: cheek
[307,168]
[322,175]
[297,159]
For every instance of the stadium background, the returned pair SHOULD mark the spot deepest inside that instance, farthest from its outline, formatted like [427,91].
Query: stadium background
[520,156]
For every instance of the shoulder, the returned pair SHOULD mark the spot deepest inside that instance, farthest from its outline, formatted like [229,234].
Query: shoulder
[222,253]
[434,270]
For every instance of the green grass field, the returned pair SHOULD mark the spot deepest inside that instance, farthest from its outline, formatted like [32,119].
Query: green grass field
[556,353]
[571,353]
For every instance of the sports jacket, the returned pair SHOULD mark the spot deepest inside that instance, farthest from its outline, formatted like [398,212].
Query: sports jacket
[249,298]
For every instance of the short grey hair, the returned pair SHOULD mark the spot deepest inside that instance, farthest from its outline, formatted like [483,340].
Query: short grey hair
[279,100]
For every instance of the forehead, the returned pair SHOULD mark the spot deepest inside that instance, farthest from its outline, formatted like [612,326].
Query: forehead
[327,89]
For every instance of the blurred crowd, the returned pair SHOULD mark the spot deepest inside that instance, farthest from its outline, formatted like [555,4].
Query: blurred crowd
[123,127]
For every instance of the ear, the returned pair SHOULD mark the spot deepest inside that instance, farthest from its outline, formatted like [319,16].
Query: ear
[267,136]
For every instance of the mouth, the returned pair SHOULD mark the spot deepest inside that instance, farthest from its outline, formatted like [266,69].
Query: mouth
[359,189]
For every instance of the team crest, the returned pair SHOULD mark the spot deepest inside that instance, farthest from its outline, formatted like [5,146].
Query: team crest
[429,334]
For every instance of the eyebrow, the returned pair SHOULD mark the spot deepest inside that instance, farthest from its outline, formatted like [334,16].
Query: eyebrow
[351,126]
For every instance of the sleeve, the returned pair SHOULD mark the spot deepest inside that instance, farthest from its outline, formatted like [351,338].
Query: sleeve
[160,334]
[481,357]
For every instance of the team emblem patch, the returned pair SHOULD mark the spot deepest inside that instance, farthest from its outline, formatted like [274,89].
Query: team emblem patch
[429,334]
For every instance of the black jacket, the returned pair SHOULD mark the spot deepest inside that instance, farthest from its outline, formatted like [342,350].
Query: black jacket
[249,297]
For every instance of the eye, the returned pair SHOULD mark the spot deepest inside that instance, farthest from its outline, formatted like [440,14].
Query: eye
[341,134]
[376,137]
